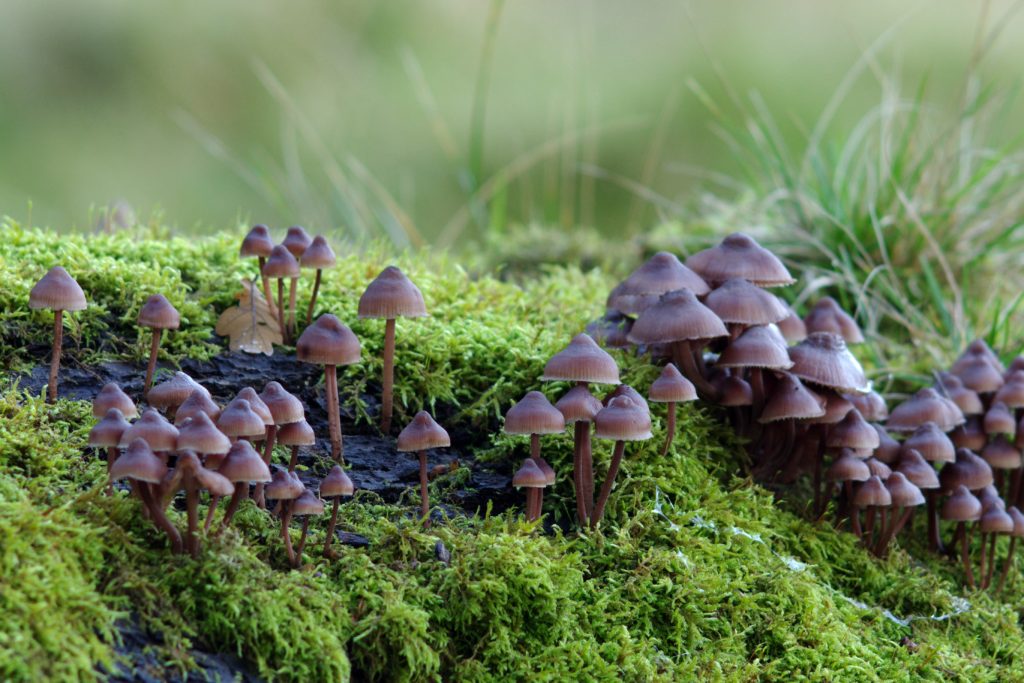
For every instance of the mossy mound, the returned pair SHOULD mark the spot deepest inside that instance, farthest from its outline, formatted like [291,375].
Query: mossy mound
[696,574]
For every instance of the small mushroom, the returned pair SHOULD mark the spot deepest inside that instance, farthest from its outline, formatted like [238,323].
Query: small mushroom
[296,241]
[534,415]
[242,466]
[962,507]
[285,487]
[305,506]
[171,393]
[671,388]
[329,343]
[420,435]
[281,264]
[333,487]
[533,479]
[107,434]
[199,401]
[257,243]
[157,314]
[293,435]
[320,256]
[622,420]
[59,292]
[284,409]
[578,406]
[1018,532]
[111,396]
[141,465]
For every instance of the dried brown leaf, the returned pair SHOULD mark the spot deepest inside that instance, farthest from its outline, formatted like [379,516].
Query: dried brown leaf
[251,326]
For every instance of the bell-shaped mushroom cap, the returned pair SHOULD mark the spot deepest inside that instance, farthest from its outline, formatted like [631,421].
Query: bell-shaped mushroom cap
[549,472]
[1018,520]
[392,295]
[172,392]
[792,327]
[159,314]
[328,342]
[1016,364]
[336,483]
[281,264]
[307,504]
[932,443]
[853,431]
[738,301]
[111,396]
[996,521]
[257,242]
[582,361]
[57,291]
[284,407]
[871,406]
[961,506]
[318,254]
[214,482]
[739,255]
[836,408]
[876,467]
[140,463]
[999,420]
[1012,392]
[611,330]
[630,393]
[623,419]
[978,373]
[823,359]
[759,346]
[199,401]
[969,470]
[733,391]
[915,468]
[534,414]
[790,400]
[296,241]
[661,273]
[107,432]
[283,486]
[257,405]
[578,405]
[239,420]
[978,348]
[888,450]
[423,433]
[925,406]
[199,434]
[966,399]
[872,493]
[827,316]
[989,498]
[671,387]
[154,429]
[244,464]
[904,493]
[1000,454]
[529,476]
[848,467]
[296,434]
[969,435]
[677,316]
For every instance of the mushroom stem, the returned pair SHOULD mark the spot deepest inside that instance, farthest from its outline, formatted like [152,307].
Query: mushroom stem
[890,532]
[968,572]
[268,452]
[302,540]
[934,538]
[330,525]
[280,309]
[286,518]
[869,523]
[1007,563]
[606,487]
[192,505]
[670,428]
[982,558]
[291,306]
[294,459]
[535,447]
[312,299]
[333,416]
[241,489]
[577,470]
[1014,498]
[211,511]
[986,580]
[159,517]
[855,520]
[154,349]
[111,457]
[266,286]
[424,499]
[388,380]
[682,354]
[58,338]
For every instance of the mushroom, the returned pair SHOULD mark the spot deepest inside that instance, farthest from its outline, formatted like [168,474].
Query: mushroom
[963,507]
[107,434]
[389,296]
[871,405]
[533,479]
[787,402]
[905,497]
[661,273]
[242,466]
[257,243]
[171,393]
[155,430]
[281,264]
[111,396]
[846,469]
[284,409]
[200,435]
[828,316]
[915,467]
[304,506]
[59,292]
[329,343]
[1018,532]
[335,485]
[199,401]
[295,434]
[534,415]
[739,255]
[756,349]
[966,399]
[792,327]
[157,314]
[622,420]
[740,304]
[190,475]
[994,521]
[296,241]
[870,496]
[578,406]
[318,255]
[421,434]
[141,465]
[239,421]
[285,487]
[671,388]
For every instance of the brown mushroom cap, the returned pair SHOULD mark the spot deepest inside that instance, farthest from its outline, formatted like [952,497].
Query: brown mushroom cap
[392,295]
[534,414]
[759,346]
[239,420]
[57,291]
[549,472]
[848,467]
[623,419]
[107,432]
[1018,521]
[739,255]
[925,406]
[318,254]
[582,361]
[888,450]
[611,330]
[199,434]
[281,264]
[296,434]
[423,433]
[661,273]
[969,470]
[529,476]
[872,493]
[966,399]
[977,373]
[630,393]
[214,482]
[307,504]
[328,342]
[999,420]
[739,301]
[140,463]
[336,483]
[199,401]
[154,429]
[871,406]
[876,467]
[284,407]
[996,521]
[789,400]
[672,387]
[1000,454]
[792,327]
[989,498]
[932,443]
[917,470]
[969,435]
[978,348]
[257,242]
[733,391]
[677,316]
[111,396]
[159,314]
[823,359]
[244,464]
[836,408]
[283,486]
[172,392]
[296,241]
[257,405]
[1012,392]
[853,431]
[903,493]
[828,316]
[962,506]
[578,405]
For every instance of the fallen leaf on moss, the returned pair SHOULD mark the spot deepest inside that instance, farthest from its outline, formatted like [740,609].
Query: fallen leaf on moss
[251,326]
